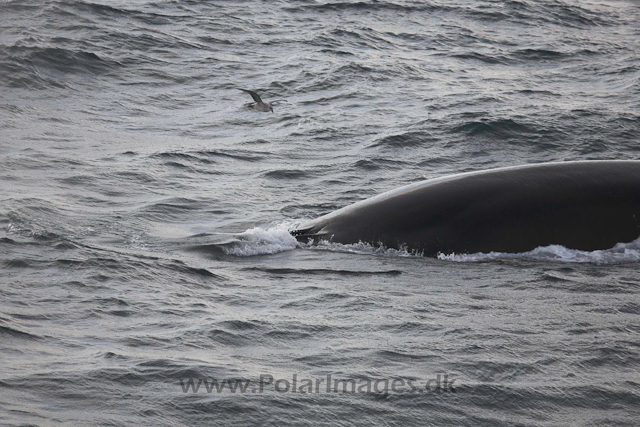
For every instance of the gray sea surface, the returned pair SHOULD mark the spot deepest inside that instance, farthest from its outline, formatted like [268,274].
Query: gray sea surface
[144,213]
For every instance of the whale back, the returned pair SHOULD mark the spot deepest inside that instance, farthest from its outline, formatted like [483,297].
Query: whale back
[585,205]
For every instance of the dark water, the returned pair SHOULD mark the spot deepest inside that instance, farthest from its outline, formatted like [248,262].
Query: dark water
[144,210]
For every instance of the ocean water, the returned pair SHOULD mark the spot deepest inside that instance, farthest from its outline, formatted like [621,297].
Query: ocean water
[144,213]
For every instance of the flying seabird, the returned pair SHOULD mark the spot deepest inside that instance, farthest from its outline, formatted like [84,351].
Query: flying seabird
[258,105]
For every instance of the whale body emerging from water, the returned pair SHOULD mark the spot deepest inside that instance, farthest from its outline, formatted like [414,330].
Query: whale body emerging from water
[585,205]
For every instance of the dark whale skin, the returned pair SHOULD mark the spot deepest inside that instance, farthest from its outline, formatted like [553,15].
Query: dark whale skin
[585,205]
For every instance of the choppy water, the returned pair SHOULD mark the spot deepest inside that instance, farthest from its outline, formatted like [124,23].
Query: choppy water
[144,210]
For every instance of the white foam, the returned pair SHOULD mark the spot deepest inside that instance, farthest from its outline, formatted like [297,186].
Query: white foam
[362,249]
[620,253]
[263,241]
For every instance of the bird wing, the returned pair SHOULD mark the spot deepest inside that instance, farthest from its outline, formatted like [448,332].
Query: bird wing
[254,95]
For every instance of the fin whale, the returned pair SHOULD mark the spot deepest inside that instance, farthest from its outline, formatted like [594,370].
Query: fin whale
[585,205]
